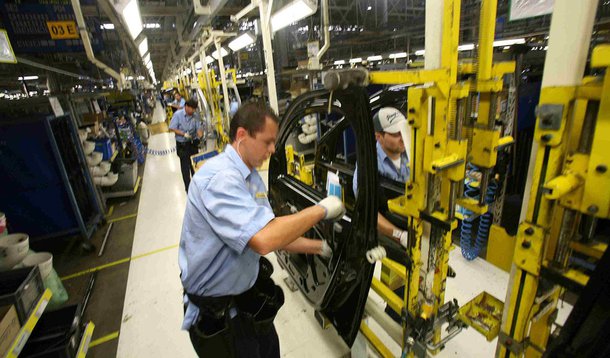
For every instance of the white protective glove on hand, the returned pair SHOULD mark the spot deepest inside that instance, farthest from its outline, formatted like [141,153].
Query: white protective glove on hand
[333,208]
[326,250]
[401,236]
[187,135]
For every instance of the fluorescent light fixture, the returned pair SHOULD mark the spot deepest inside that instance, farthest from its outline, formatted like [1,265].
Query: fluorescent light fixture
[369,8]
[339,62]
[355,60]
[398,55]
[209,59]
[28,78]
[420,52]
[374,58]
[292,12]
[149,65]
[506,48]
[107,26]
[241,41]
[129,78]
[141,78]
[223,52]
[502,43]
[198,65]
[466,47]
[143,47]
[131,15]
[152,25]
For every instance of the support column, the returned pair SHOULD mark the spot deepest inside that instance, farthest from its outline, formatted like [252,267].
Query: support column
[268,50]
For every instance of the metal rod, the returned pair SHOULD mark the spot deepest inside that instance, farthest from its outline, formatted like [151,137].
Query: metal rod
[588,127]
[88,292]
[105,239]
[56,70]
[589,227]
[569,224]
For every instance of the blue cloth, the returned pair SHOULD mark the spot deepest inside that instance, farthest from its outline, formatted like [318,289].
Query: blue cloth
[386,168]
[181,104]
[227,204]
[182,121]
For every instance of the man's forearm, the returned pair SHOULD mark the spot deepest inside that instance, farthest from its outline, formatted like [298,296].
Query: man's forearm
[283,230]
[384,226]
[304,245]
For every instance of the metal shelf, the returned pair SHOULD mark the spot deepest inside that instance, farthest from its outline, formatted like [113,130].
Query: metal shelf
[28,327]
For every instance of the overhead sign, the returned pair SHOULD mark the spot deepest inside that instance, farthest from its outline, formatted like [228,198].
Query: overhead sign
[522,9]
[39,26]
[6,51]
[60,30]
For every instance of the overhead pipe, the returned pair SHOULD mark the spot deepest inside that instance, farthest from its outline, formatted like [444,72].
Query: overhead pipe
[82,28]
[325,22]
[25,61]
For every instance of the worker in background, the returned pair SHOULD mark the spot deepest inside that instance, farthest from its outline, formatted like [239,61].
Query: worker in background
[178,102]
[230,299]
[189,131]
[392,162]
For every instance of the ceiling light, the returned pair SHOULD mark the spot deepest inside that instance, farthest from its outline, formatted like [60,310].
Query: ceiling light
[146,59]
[420,52]
[293,12]
[198,65]
[209,59]
[143,47]
[129,78]
[152,25]
[502,43]
[339,62]
[131,15]
[241,41]
[369,8]
[28,78]
[223,52]
[141,78]
[398,55]
[107,26]
[149,65]
[374,58]
[355,60]
[466,47]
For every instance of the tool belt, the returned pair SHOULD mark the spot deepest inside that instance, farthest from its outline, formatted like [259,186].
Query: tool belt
[256,309]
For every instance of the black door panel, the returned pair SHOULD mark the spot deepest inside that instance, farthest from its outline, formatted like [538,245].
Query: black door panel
[338,286]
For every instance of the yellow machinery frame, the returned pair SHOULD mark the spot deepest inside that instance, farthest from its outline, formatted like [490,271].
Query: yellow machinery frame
[439,152]
[570,169]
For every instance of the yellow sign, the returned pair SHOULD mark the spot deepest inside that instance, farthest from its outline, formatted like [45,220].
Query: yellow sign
[61,30]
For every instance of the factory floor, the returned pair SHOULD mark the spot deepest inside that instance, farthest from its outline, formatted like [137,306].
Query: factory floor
[136,302]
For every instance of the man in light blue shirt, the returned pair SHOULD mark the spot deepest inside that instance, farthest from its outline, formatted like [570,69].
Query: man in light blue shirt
[188,129]
[228,224]
[178,102]
[392,161]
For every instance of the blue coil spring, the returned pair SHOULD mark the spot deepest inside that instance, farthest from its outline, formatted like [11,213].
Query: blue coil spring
[471,250]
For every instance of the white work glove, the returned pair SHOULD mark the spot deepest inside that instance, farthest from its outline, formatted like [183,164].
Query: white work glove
[326,250]
[187,135]
[401,236]
[333,208]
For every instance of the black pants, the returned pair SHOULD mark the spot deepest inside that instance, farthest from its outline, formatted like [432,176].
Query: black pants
[242,343]
[185,150]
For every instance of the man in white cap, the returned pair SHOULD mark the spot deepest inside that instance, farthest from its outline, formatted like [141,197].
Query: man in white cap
[392,161]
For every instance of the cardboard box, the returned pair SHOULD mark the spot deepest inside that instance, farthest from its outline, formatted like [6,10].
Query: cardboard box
[9,328]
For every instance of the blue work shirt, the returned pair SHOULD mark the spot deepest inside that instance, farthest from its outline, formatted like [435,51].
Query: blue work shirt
[181,103]
[185,123]
[386,168]
[227,204]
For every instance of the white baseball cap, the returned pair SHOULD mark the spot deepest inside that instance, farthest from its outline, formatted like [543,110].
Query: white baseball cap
[389,120]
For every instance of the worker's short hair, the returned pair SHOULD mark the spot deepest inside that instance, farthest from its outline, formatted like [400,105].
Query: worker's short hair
[251,117]
[191,103]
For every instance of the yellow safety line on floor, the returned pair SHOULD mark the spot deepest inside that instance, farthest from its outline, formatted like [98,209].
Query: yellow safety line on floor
[118,262]
[123,218]
[110,211]
[106,338]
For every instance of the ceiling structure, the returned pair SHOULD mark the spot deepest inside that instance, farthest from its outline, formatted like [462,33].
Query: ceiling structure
[358,28]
